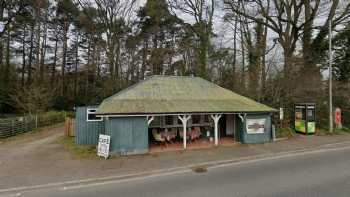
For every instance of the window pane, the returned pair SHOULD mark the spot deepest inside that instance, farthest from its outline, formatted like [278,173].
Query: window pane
[206,118]
[310,115]
[168,120]
[156,121]
[196,119]
[91,115]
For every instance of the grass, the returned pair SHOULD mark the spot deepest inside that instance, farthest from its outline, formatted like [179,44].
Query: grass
[336,131]
[284,132]
[321,131]
[79,151]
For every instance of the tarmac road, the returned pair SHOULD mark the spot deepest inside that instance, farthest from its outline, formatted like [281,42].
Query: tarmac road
[310,174]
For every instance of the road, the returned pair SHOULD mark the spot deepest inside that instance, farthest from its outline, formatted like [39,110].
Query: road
[314,174]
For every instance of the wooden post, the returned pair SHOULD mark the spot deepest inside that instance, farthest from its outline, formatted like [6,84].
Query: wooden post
[36,121]
[66,127]
[216,119]
[12,127]
[184,120]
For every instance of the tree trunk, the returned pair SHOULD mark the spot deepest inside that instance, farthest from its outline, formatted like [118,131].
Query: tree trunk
[202,55]
[7,65]
[31,49]
[76,67]
[307,35]
[144,57]
[64,57]
[38,47]
[287,86]
[23,55]
[234,62]
[53,72]
[263,65]
[43,50]
[243,85]
[1,40]
[155,57]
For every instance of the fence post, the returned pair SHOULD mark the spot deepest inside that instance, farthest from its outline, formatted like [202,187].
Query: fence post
[12,127]
[25,124]
[36,121]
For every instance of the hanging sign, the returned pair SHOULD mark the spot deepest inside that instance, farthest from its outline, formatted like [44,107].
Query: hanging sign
[255,126]
[281,113]
[103,145]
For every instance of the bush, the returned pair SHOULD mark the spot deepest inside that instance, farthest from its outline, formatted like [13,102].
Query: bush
[284,132]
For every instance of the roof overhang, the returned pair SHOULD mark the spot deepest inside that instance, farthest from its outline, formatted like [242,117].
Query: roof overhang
[182,113]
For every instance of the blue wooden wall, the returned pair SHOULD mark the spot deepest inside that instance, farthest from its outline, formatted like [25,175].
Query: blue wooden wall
[129,135]
[86,133]
[246,138]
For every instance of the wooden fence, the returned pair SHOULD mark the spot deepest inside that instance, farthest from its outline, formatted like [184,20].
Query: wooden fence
[18,125]
[69,127]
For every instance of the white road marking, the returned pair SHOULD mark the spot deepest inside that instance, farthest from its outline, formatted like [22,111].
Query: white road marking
[124,180]
[12,195]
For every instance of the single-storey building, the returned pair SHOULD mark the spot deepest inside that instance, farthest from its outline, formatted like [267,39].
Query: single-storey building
[168,108]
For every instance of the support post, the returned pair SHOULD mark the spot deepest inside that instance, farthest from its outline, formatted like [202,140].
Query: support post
[330,78]
[36,121]
[216,118]
[149,119]
[184,119]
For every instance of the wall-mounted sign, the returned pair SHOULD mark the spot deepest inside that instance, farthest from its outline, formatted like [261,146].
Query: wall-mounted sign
[281,113]
[255,126]
[337,117]
[103,146]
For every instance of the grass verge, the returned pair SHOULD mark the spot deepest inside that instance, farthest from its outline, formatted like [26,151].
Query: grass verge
[284,132]
[79,151]
[336,131]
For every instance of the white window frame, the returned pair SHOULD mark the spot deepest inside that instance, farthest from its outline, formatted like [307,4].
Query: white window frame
[89,111]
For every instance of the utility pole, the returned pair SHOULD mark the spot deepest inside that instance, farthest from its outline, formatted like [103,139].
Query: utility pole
[330,78]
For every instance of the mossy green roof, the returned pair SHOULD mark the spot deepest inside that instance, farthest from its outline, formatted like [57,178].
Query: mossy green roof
[178,94]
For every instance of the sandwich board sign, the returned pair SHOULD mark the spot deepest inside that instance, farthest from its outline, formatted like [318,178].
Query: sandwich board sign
[103,145]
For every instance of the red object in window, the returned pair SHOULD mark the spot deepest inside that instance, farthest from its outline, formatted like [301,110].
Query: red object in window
[338,116]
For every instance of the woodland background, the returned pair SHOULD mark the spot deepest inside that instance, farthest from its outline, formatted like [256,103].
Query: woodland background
[57,54]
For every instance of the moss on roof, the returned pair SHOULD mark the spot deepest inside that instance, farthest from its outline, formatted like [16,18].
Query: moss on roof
[178,94]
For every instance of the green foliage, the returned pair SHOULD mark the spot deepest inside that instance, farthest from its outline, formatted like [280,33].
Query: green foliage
[342,55]
[284,132]
[34,99]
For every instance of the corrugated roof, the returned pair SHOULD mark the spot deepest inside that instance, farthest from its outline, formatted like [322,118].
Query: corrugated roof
[178,94]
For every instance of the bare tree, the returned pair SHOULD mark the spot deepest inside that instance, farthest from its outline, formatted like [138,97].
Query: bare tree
[290,20]
[114,16]
[202,12]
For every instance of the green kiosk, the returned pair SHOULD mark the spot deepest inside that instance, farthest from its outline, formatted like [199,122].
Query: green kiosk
[305,118]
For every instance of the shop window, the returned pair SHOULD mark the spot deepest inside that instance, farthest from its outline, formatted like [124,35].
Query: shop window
[169,120]
[206,118]
[155,122]
[179,122]
[91,116]
[196,119]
